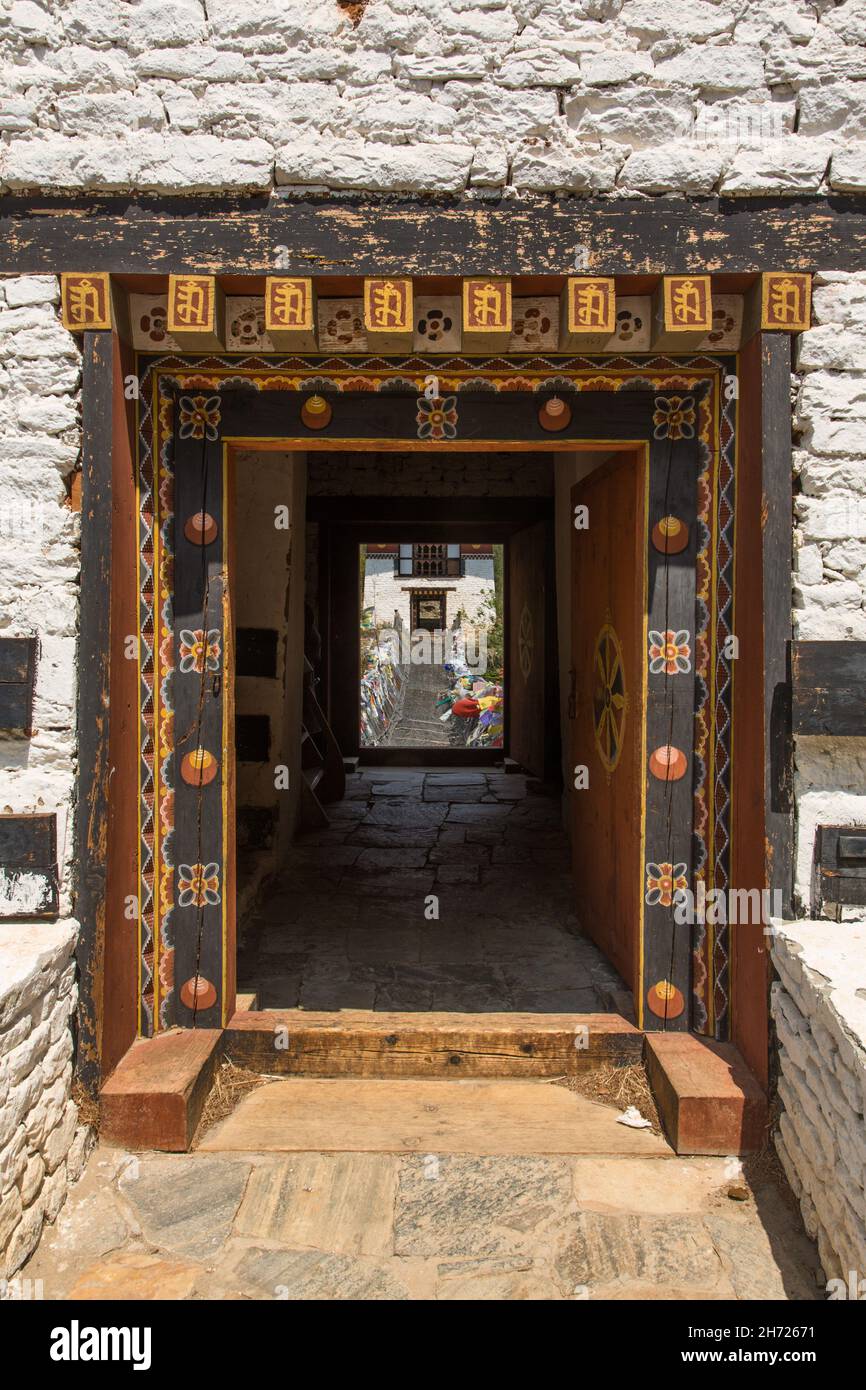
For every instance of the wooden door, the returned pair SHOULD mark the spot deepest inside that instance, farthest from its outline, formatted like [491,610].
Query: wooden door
[606,708]
[525,691]
[428,612]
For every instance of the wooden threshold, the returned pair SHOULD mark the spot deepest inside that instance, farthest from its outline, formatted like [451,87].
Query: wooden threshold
[359,1042]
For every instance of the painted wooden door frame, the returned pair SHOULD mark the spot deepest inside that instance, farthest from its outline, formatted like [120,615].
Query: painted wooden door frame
[101,379]
[208,407]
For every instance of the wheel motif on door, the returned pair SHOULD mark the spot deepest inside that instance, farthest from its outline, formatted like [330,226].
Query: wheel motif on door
[609,697]
[525,641]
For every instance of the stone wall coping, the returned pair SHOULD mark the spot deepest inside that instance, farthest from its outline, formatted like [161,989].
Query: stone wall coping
[831,958]
[32,955]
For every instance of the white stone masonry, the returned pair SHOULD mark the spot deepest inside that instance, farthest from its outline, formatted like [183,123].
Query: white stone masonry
[623,97]
[819,1011]
[42,1146]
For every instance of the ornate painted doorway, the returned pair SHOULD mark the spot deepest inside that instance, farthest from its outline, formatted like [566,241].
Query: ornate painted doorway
[674,412]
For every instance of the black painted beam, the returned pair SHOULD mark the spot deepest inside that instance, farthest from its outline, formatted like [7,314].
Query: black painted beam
[392,235]
[92,820]
[777,528]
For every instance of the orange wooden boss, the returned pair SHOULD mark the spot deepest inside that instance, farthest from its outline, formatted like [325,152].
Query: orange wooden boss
[85,301]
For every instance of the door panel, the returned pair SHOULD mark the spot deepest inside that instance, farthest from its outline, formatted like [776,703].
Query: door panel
[607,709]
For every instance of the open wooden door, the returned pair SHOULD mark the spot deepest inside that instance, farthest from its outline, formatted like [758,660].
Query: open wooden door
[607,707]
[530,693]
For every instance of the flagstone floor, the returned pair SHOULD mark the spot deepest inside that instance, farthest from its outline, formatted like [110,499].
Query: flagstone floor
[367,1189]
[420,1226]
[446,890]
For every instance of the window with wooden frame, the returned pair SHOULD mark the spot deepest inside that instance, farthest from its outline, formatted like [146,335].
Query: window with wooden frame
[430,561]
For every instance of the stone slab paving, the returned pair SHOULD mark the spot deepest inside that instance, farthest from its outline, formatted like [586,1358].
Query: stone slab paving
[348,923]
[378,1226]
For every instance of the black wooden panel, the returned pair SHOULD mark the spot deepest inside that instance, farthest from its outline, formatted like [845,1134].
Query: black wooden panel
[828,688]
[252,738]
[256,651]
[670,721]
[198,685]
[17,676]
[92,821]
[839,866]
[28,849]
[407,236]
[16,708]
[17,660]
[393,415]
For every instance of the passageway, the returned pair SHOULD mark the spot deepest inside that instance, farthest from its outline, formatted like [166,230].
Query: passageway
[417,724]
[444,891]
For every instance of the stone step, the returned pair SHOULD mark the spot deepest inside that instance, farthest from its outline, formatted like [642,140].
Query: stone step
[360,1042]
[298,1115]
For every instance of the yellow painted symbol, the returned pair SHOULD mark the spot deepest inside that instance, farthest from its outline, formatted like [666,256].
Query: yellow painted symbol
[591,306]
[487,306]
[686,301]
[785,303]
[388,306]
[288,303]
[83,300]
[190,304]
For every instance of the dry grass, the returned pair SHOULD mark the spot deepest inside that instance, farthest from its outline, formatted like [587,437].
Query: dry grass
[230,1085]
[88,1107]
[619,1087]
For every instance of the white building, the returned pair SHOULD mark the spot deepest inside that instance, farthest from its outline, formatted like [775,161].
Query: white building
[430,587]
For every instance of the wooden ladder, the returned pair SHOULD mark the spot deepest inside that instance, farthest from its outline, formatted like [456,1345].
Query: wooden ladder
[322,771]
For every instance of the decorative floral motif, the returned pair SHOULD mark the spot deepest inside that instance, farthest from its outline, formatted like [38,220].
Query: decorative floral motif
[198,885]
[153,324]
[248,327]
[199,651]
[199,417]
[437,417]
[669,652]
[674,417]
[662,881]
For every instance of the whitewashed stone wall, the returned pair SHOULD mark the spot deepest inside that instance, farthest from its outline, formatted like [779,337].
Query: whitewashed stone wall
[585,96]
[39,560]
[818,1000]
[42,1146]
[472,593]
[39,449]
[830,537]
[819,1010]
